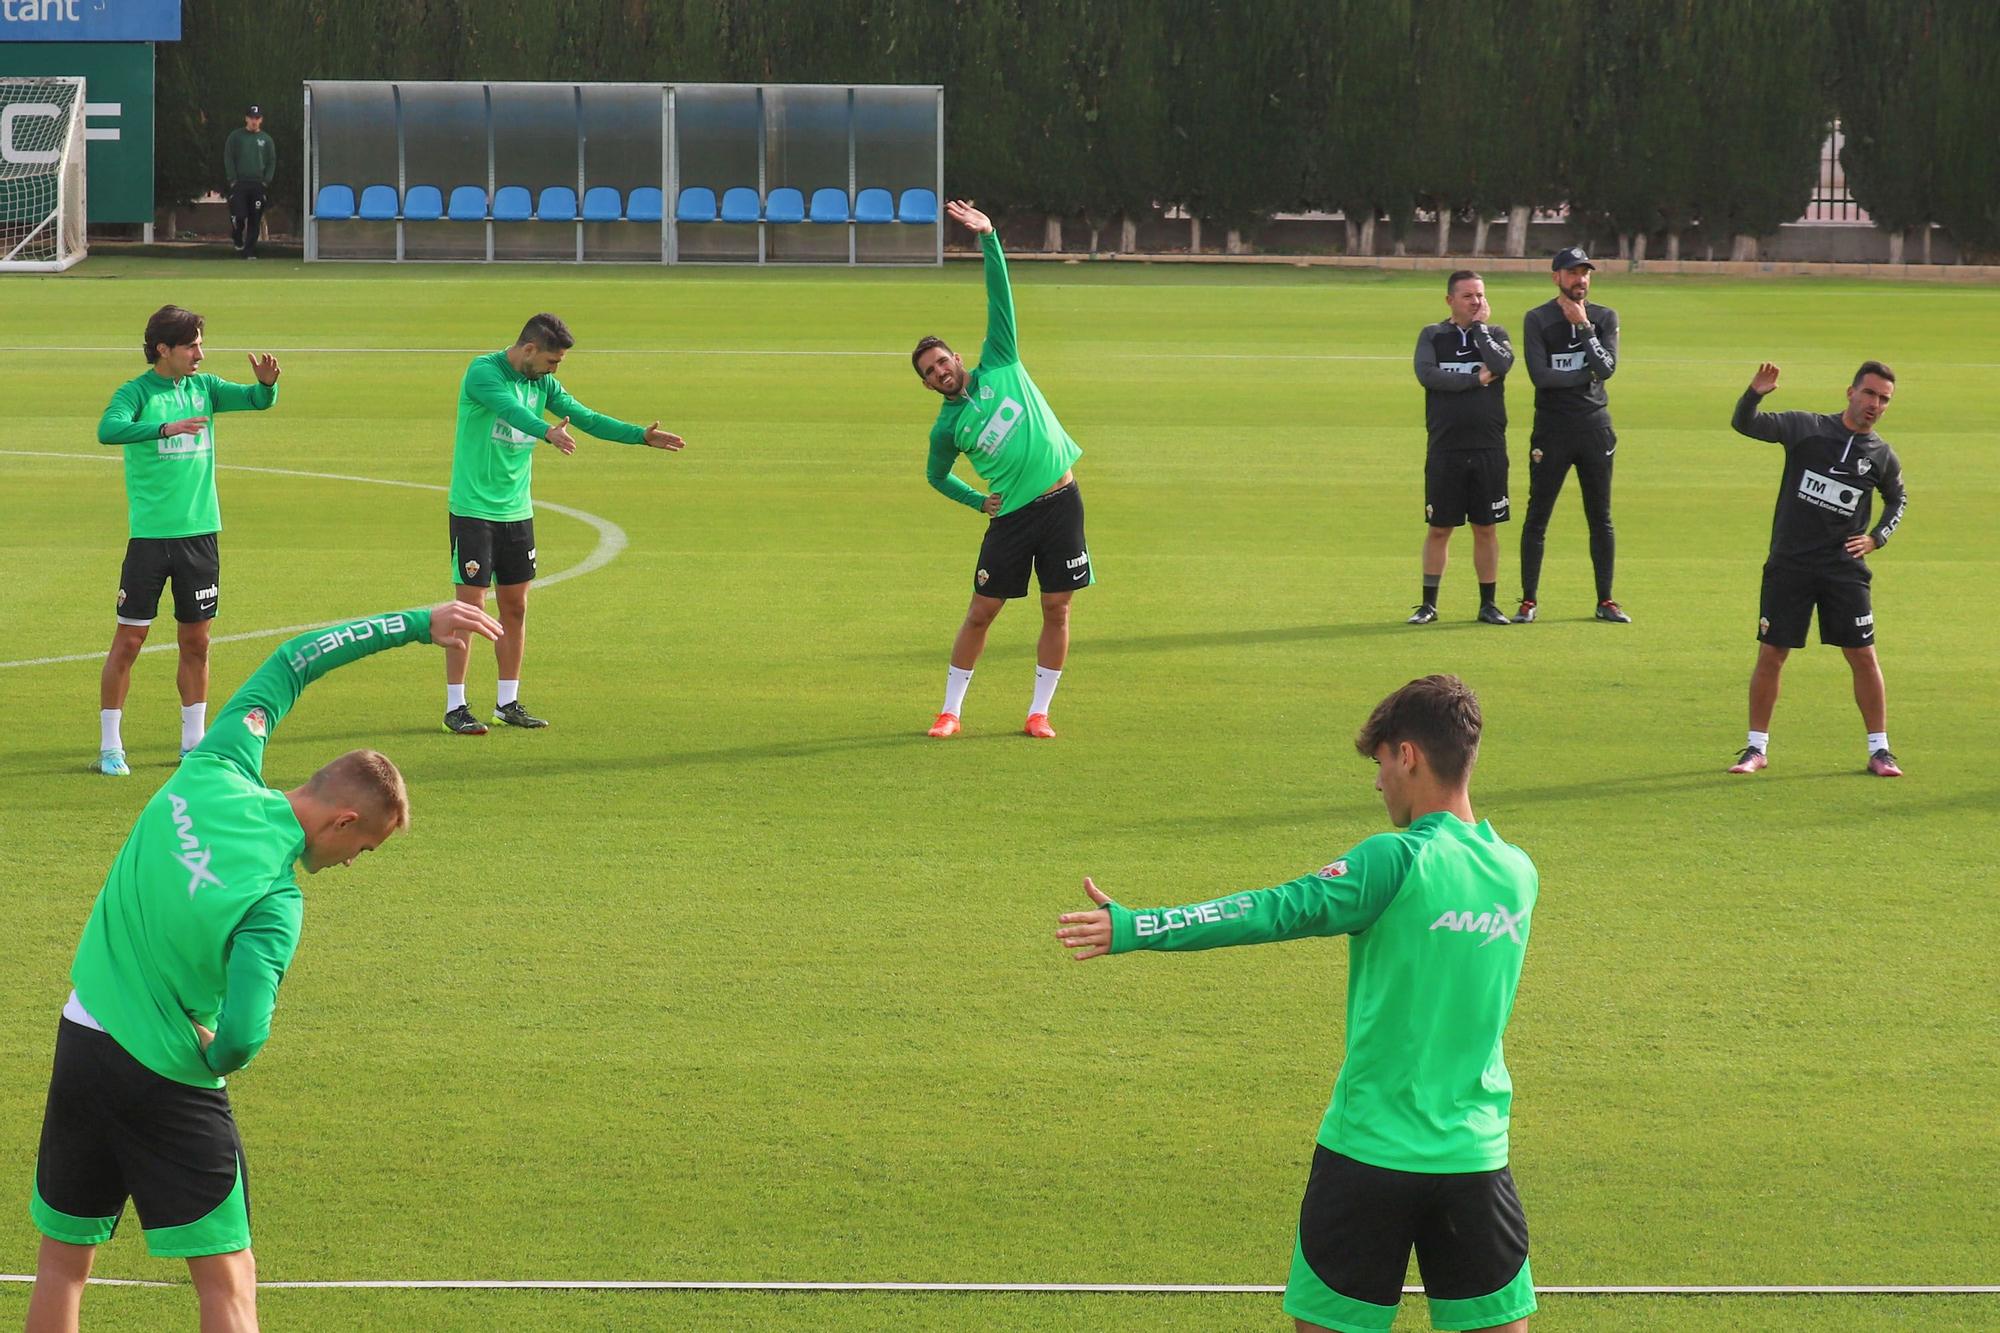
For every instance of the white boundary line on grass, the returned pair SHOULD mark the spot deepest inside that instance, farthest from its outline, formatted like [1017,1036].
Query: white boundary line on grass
[1099,1288]
[611,541]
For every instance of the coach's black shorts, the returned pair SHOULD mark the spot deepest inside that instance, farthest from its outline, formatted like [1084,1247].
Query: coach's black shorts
[1046,533]
[1356,1228]
[193,563]
[1465,486]
[485,552]
[114,1130]
[1839,591]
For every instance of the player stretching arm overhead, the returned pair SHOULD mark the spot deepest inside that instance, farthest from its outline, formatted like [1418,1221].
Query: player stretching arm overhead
[998,419]
[177,975]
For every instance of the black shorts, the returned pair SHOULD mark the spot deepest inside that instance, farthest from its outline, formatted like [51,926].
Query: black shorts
[1359,1222]
[1465,486]
[1046,533]
[193,563]
[1839,591]
[115,1130]
[485,552]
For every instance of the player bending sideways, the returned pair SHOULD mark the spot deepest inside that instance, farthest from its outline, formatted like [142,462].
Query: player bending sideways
[500,405]
[999,420]
[1413,1150]
[177,975]
[1820,543]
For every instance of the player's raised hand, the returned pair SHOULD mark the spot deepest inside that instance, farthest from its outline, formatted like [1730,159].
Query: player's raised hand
[990,506]
[1765,380]
[663,439]
[962,212]
[1573,311]
[264,367]
[1088,933]
[453,624]
[186,426]
[560,437]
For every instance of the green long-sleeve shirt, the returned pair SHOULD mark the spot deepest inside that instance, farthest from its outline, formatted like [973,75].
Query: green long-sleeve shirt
[249,155]
[500,421]
[1439,914]
[170,480]
[200,915]
[1002,422]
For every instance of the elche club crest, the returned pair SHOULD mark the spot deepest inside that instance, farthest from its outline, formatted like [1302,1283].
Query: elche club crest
[1334,871]
[472,569]
[256,723]
[981,578]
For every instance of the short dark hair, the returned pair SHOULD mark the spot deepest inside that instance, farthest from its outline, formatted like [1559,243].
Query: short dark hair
[1873,368]
[173,326]
[1458,276]
[547,332]
[924,345]
[1437,714]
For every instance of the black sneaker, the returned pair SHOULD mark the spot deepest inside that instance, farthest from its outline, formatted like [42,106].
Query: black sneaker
[1526,615]
[460,722]
[1611,611]
[1490,614]
[516,716]
[1425,614]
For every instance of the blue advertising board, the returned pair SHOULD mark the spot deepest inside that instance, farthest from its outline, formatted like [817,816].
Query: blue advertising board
[90,20]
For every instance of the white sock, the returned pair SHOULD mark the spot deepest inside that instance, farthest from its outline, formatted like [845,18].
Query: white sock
[454,696]
[1877,740]
[194,721]
[955,683]
[107,728]
[1761,740]
[1045,689]
[510,691]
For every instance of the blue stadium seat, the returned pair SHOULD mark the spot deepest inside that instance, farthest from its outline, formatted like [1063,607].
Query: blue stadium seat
[557,204]
[874,206]
[335,203]
[646,205]
[829,205]
[919,208]
[740,204]
[423,203]
[510,204]
[601,204]
[468,204]
[697,204]
[378,203]
[784,204]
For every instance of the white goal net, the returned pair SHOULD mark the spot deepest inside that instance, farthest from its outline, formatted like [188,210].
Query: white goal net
[41,174]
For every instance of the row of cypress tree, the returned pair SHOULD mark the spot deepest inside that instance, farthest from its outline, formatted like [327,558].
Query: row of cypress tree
[1645,117]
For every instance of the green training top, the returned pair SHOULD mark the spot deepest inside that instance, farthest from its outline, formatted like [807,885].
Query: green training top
[170,480]
[198,919]
[499,421]
[249,155]
[1439,915]
[1002,423]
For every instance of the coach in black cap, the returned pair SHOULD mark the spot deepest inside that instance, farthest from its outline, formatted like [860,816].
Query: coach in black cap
[1572,348]
[249,160]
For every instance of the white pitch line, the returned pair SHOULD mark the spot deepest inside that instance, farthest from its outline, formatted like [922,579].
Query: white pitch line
[1100,1288]
[611,542]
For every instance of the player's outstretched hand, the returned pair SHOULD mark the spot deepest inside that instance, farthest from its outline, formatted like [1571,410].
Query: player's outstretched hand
[1088,933]
[560,437]
[186,426]
[962,212]
[1765,380]
[991,505]
[453,624]
[264,367]
[663,439]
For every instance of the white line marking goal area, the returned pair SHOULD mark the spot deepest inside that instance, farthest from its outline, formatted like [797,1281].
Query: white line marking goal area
[611,541]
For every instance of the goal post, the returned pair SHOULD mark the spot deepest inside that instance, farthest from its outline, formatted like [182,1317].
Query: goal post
[42,203]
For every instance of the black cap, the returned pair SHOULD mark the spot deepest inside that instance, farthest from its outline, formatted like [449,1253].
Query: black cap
[1573,257]
[254,110]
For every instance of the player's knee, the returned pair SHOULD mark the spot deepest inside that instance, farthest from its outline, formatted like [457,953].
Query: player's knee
[194,647]
[1055,609]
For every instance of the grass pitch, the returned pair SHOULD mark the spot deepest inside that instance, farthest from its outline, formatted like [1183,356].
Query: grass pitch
[731,974]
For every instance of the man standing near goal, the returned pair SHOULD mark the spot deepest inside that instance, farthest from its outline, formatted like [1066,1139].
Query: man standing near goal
[1572,348]
[1462,364]
[500,405]
[1413,1149]
[250,161]
[177,974]
[1820,542]
[162,420]
[998,419]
